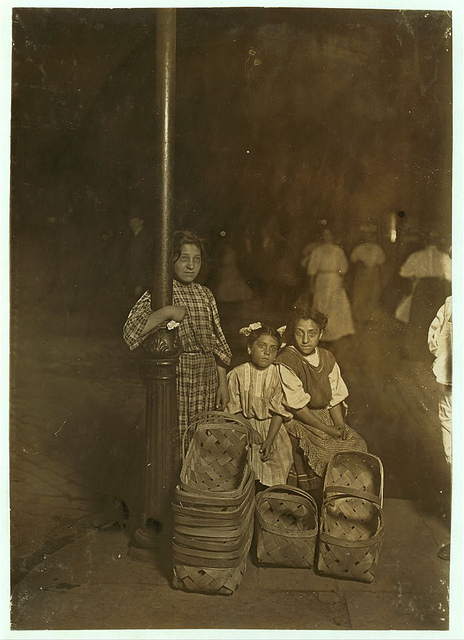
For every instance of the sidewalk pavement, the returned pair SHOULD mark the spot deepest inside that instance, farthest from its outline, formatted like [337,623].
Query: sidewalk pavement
[94,584]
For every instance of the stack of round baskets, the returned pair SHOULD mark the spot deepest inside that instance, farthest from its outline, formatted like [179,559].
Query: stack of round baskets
[351,523]
[286,527]
[214,506]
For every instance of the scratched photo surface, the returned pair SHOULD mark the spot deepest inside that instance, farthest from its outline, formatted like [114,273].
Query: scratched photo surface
[311,149]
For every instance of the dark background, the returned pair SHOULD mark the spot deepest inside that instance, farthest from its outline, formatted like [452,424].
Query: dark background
[284,118]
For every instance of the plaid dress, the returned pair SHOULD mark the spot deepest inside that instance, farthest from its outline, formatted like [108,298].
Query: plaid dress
[203,343]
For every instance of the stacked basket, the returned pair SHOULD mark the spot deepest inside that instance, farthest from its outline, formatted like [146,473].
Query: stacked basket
[351,523]
[214,508]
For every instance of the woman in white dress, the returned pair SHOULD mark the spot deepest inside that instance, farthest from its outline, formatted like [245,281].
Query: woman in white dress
[327,265]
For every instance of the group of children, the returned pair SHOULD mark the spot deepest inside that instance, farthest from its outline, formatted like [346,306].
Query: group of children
[291,390]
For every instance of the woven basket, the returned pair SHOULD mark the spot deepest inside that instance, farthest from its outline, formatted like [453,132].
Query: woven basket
[217,455]
[187,516]
[351,528]
[355,470]
[225,557]
[287,525]
[208,580]
[211,580]
[205,530]
[210,544]
[214,514]
[218,502]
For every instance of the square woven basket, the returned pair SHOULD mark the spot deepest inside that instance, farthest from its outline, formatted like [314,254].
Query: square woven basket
[217,455]
[286,527]
[214,509]
[212,561]
[351,523]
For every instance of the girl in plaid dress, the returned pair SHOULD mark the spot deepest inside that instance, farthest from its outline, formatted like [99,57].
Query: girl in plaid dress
[314,391]
[201,371]
[256,394]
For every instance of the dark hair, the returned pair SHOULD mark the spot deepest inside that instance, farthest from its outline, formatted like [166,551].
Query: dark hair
[263,331]
[303,312]
[186,237]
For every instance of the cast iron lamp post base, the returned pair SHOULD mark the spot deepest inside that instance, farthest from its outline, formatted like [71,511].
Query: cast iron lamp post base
[162,448]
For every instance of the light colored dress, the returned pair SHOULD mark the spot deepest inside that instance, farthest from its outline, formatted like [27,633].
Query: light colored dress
[257,394]
[328,263]
[367,287]
[430,271]
[427,263]
[440,342]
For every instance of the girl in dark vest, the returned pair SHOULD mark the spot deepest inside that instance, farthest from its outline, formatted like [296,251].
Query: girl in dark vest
[314,392]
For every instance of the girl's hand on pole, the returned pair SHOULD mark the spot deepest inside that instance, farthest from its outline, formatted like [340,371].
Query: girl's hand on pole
[174,312]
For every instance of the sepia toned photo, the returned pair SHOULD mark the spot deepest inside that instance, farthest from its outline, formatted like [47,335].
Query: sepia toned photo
[231,239]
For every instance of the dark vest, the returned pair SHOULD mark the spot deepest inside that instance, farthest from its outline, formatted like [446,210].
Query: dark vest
[315,379]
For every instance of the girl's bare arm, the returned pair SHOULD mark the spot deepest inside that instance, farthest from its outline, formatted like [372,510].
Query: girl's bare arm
[164,314]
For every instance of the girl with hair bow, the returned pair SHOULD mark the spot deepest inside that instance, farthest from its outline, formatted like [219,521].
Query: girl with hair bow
[256,394]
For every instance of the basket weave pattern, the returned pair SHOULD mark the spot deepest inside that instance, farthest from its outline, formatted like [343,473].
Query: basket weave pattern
[217,454]
[214,513]
[287,526]
[351,517]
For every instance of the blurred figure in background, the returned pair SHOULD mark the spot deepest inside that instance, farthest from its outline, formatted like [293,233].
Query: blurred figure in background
[429,271]
[327,264]
[306,292]
[368,285]
[231,285]
[139,259]
[440,342]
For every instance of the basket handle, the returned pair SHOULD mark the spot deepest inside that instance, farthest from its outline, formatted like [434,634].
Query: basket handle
[295,490]
[343,542]
[290,489]
[343,492]
[208,415]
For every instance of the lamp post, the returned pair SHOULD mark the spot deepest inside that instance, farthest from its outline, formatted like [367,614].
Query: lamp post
[162,346]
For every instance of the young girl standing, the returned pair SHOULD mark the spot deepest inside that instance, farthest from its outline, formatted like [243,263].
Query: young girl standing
[314,391]
[256,394]
[201,372]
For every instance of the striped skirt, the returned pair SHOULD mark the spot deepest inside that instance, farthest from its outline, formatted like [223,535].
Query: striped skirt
[317,446]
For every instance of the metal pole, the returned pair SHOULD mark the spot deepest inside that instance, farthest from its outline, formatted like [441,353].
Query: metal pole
[166,95]
[162,347]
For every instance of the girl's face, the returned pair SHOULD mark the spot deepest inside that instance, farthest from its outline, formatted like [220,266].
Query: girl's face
[188,264]
[307,335]
[263,351]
